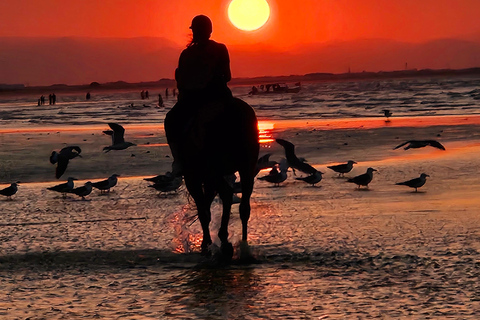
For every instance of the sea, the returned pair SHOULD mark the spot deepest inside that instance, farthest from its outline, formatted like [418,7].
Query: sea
[413,97]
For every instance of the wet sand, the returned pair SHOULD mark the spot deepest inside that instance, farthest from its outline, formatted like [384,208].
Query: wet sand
[326,252]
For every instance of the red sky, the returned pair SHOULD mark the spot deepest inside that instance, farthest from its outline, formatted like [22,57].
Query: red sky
[291,23]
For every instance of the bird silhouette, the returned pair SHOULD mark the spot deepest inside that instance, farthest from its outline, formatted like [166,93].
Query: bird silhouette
[293,161]
[312,179]
[343,168]
[414,144]
[167,177]
[105,185]
[83,191]
[64,188]
[10,190]
[118,140]
[264,162]
[63,157]
[275,176]
[416,182]
[363,179]
[168,186]
[387,114]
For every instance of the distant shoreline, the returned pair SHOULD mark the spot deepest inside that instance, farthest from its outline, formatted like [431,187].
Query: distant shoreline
[309,77]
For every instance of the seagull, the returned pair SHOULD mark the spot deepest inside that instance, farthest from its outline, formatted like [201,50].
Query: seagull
[165,187]
[64,188]
[118,142]
[83,191]
[9,191]
[313,178]
[168,176]
[363,179]
[264,162]
[293,160]
[414,144]
[415,183]
[105,185]
[61,158]
[343,168]
[276,177]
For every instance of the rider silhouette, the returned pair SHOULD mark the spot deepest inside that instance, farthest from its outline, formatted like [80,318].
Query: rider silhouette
[202,75]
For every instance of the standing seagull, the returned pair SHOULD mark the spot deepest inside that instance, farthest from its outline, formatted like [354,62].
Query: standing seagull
[83,191]
[64,188]
[312,179]
[414,144]
[61,158]
[105,185]
[9,191]
[343,168]
[415,183]
[276,177]
[169,186]
[118,141]
[293,160]
[363,179]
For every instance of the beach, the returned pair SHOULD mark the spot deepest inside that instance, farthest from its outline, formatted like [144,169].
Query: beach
[327,252]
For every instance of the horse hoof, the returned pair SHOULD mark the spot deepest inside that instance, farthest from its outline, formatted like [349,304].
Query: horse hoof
[205,249]
[227,250]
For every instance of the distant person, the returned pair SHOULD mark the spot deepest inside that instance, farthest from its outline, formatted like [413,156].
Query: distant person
[87,96]
[146,95]
[142,94]
[50,99]
[174,92]
[202,75]
[166,93]
[54,98]
[39,101]
[160,100]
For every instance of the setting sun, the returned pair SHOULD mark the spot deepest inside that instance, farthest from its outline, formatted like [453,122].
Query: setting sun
[248,15]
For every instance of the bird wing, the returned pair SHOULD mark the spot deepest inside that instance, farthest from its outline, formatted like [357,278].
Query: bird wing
[118,133]
[61,167]
[401,145]
[436,144]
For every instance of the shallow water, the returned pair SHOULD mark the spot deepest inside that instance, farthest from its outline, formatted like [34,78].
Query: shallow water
[326,252]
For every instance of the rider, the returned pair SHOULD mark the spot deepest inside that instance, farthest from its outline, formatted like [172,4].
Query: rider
[202,75]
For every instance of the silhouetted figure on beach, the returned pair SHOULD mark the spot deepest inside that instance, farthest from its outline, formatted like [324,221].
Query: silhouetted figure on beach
[202,75]
[211,134]
[88,96]
[54,98]
[166,93]
[147,95]
[42,99]
[142,94]
[160,100]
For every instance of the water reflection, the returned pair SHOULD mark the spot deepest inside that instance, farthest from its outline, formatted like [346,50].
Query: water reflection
[217,293]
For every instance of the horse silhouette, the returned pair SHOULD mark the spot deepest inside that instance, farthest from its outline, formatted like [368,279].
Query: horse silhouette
[213,149]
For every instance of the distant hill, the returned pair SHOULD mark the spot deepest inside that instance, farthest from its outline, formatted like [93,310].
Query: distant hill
[46,61]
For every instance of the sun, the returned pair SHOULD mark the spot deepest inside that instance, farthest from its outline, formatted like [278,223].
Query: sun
[248,15]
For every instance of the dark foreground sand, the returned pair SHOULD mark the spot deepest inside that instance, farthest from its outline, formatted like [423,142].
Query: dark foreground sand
[327,252]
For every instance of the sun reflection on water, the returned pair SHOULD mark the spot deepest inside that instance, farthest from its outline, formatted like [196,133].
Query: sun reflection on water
[265,129]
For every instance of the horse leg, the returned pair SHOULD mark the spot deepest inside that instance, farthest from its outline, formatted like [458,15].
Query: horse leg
[247,181]
[203,210]
[226,194]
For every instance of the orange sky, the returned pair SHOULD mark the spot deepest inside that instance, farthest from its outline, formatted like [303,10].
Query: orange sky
[292,22]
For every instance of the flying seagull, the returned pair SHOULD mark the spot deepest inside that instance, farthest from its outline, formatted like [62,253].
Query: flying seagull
[264,162]
[414,144]
[415,183]
[343,168]
[293,160]
[312,179]
[64,188]
[63,157]
[83,191]
[105,185]
[9,191]
[363,179]
[118,141]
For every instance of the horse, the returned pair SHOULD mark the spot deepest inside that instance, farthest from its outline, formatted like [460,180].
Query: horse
[217,144]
